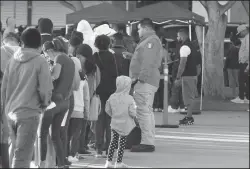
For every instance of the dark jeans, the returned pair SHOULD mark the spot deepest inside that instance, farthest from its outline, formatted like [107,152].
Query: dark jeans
[53,117]
[103,126]
[64,129]
[176,99]
[75,129]
[243,82]
[82,137]
[23,134]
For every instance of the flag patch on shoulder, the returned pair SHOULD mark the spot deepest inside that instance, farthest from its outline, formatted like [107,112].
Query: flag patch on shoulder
[150,45]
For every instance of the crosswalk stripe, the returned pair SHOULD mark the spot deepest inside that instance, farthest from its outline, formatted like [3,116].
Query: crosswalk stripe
[204,134]
[202,139]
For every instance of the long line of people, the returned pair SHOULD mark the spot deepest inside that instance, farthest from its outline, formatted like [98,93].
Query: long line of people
[63,93]
[61,83]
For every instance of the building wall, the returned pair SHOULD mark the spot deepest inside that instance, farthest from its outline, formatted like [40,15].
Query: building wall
[8,10]
[49,9]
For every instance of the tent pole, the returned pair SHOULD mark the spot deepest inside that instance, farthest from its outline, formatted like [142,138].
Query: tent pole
[127,5]
[190,29]
[67,29]
[202,70]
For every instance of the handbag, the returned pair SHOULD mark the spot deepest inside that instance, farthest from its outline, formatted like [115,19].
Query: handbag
[95,105]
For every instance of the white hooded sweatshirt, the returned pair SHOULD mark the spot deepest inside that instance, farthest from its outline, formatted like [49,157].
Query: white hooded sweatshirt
[88,34]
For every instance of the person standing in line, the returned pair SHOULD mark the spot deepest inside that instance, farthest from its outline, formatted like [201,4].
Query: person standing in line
[187,74]
[79,116]
[121,108]
[75,40]
[11,25]
[88,34]
[107,63]
[129,44]
[144,68]
[232,66]
[63,82]
[243,31]
[84,54]
[26,92]
[45,27]
[92,71]
[118,47]
[10,46]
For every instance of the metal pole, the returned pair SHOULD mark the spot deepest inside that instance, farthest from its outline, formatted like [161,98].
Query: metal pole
[190,30]
[14,9]
[127,5]
[67,29]
[202,70]
[165,119]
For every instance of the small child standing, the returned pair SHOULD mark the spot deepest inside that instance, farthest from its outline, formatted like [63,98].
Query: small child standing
[122,110]
[78,117]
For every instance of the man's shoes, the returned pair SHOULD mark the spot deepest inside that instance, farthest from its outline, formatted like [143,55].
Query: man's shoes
[246,101]
[182,110]
[73,159]
[143,148]
[238,100]
[186,121]
[171,110]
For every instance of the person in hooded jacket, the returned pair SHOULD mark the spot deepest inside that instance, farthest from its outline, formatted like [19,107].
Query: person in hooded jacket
[26,91]
[10,46]
[88,34]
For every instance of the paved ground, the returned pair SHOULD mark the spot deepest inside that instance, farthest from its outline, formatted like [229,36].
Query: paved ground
[217,139]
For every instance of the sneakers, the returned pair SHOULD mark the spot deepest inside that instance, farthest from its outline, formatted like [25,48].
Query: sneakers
[121,165]
[73,159]
[171,110]
[246,101]
[183,110]
[238,100]
[108,165]
[187,121]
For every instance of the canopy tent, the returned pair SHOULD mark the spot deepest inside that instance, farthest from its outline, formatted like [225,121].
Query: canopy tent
[97,13]
[165,12]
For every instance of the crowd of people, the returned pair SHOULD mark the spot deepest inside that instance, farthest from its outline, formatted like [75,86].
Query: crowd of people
[87,90]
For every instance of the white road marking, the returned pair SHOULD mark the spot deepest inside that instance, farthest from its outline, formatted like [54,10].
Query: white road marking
[202,139]
[86,165]
[205,134]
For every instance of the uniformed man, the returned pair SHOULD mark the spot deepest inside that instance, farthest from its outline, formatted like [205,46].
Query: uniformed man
[144,68]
